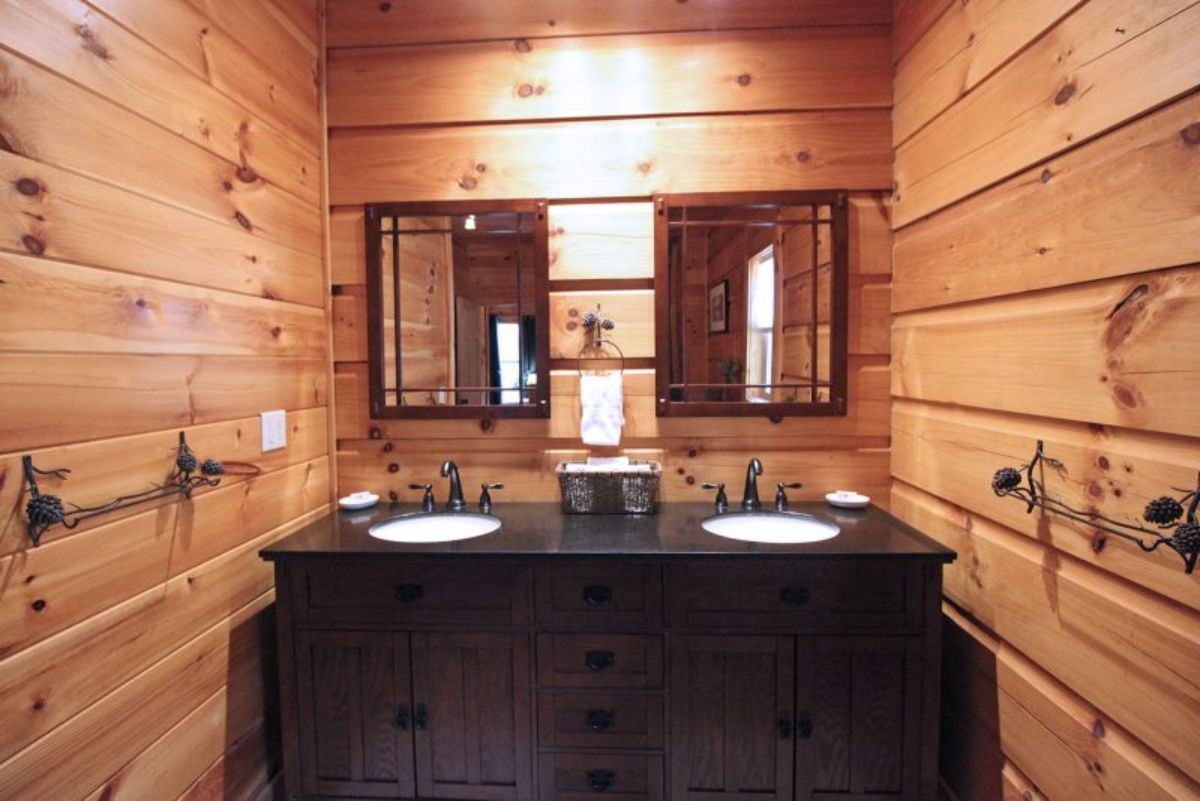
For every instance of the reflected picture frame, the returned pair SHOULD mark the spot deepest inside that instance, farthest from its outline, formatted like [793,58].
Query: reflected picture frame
[718,307]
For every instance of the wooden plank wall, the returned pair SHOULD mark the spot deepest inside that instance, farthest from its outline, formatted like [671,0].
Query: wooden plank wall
[437,100]
[1046,285]
[161,270]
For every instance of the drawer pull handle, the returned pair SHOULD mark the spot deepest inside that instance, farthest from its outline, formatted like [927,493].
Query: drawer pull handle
[785,726]
[599,720]
[597,661]
[407,593]
[804,725]
[421,718]
[794,596]
[595,595]
[599,780]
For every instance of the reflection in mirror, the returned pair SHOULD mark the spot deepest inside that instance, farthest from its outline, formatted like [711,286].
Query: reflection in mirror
[755,313]
[456,294]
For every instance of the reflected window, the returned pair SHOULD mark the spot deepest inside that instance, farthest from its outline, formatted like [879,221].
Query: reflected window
[760,324]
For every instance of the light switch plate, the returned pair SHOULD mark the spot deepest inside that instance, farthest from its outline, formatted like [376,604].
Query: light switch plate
[274,430]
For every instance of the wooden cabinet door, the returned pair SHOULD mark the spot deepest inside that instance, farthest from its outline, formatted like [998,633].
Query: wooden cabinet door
[355,714]
[472,716]
[732,727]
[858,718]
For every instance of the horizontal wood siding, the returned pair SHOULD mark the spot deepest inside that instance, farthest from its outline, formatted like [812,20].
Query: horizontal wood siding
[1047,256]
[437,101]
[161,270]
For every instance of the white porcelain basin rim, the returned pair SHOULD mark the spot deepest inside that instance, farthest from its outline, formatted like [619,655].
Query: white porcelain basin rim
[778,528]
[425,527]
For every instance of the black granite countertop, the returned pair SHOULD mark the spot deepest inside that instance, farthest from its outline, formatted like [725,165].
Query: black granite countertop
[542,530]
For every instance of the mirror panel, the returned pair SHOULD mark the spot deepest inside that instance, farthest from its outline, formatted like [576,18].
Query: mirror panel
[458,309]
[754,317]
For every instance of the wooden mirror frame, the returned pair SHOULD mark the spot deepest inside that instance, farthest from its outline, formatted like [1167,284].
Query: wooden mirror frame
[836,200]
[373,214]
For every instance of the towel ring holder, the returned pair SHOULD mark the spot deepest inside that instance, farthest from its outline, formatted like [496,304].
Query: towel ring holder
[599,342]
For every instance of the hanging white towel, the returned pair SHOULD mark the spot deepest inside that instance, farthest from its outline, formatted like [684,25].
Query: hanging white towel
[602,408]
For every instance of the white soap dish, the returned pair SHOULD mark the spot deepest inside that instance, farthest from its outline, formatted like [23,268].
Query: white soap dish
[846,499]
[358,500]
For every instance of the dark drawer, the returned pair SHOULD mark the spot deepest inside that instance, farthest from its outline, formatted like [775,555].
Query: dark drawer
[600,720]
[585,777]
[414,592]
[815,594]
[599,594]
[600,660]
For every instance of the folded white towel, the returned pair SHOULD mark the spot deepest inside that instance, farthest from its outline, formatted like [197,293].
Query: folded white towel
[602,408]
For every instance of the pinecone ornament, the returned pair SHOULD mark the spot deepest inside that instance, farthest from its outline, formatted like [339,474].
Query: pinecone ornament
[608,324]
[186,461]
[589,319]
[1187,539]
[1005,479]
[211,467]
[1163,511]
[44,511]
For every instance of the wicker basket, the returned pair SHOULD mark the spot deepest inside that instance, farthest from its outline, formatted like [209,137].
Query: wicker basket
[619,492]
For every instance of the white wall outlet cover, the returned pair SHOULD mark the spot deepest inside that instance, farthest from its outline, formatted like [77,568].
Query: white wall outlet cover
[274,430]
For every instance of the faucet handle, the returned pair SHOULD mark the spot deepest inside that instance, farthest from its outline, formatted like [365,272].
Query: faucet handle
[722,502]
[485,497]
[781,499]
[427,501]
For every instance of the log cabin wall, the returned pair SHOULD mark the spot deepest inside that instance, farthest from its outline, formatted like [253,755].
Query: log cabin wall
[435,100]
[1046,286]
[161,270]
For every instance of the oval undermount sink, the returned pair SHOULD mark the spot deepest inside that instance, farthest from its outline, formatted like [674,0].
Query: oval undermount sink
[435,527]
[780,528]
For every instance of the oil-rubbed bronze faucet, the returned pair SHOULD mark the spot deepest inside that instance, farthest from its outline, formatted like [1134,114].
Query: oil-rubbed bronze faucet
[750,501]
[456,502]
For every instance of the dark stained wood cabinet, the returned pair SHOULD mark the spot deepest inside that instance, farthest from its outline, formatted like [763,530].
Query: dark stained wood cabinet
[685,678]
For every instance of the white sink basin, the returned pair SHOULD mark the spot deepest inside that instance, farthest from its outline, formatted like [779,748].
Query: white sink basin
[435,527]
[781,528]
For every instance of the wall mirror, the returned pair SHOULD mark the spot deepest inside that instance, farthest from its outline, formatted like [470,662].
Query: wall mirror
[750,313]
[458,309]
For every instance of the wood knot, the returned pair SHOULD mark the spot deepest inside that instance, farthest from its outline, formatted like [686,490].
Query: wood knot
[481,168]
[572,325]
[375,433]
[90,43]
[743,79]
[776,418]
[227,186]
[690,480]
[28,187]
[485,424]
[39,605]
[691,453]
[276,331]
[1191,134]
[1064,94]
[522,45]
[524,90]
[34,245]
[1043,250]
[572,312]
[39,704]
[1102,462]
[1098,729]
[1095,490]
[803,155]
[645,166]
[1125,396]
[393,467]
[243,220]
[393,496]
[246,175]
[388,447]
[680,471]
[385,7]
[140,303]
[468,182]
[1046,176]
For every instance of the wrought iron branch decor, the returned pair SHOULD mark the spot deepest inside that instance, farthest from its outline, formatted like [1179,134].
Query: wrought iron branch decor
[1173,520]
[43,510]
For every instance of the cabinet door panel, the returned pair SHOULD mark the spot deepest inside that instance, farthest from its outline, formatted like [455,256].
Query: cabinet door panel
[857,700]
[732,701]
[353,707]
[472,715]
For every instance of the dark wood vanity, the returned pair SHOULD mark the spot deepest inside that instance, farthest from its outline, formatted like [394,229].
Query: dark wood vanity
[565,658]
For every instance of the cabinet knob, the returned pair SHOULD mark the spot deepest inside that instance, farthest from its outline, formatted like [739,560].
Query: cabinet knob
[597,661]
[595,595]
[403,718]
[599,780]
[804,724]
[794,596]
[421,718]
[784,726]
[599,720]
[407,593]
